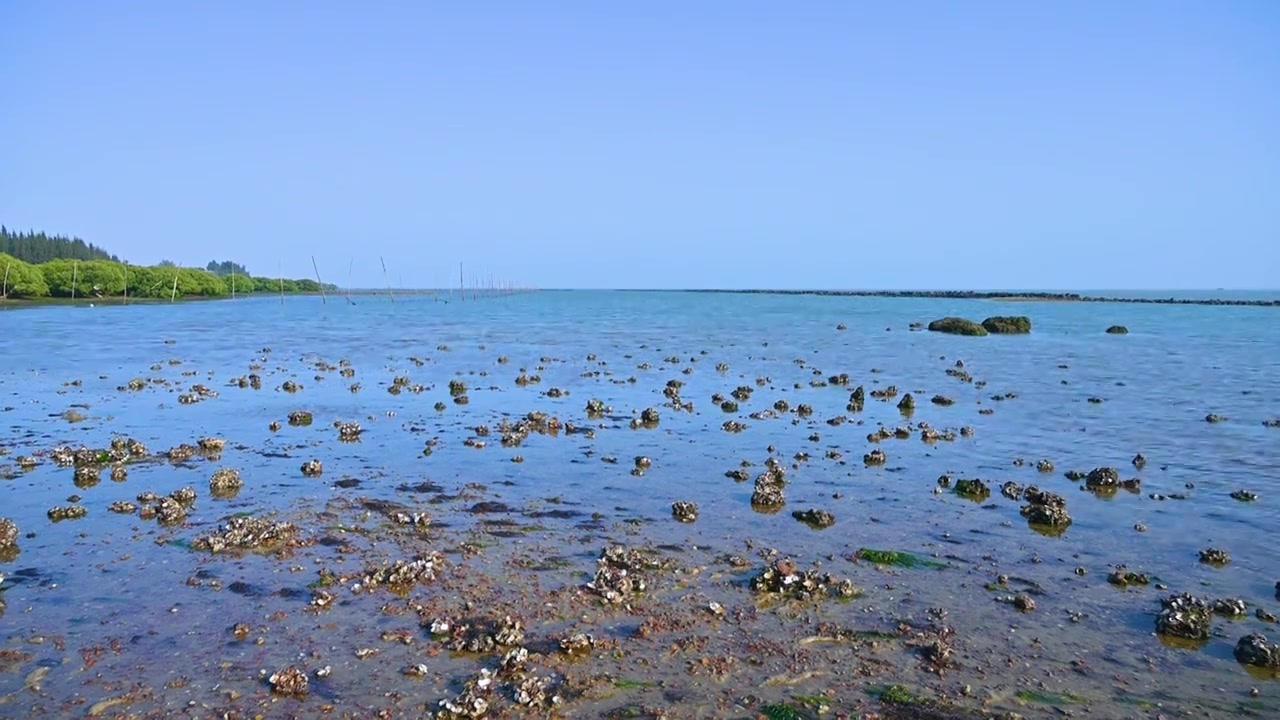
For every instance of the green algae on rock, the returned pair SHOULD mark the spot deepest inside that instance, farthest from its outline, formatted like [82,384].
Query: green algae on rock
[957,326]
[1007,324]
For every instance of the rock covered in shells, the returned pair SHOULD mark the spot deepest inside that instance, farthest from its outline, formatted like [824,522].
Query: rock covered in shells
[1185,616]
[484,635]
[8,533]
[290,681]
[1256,650]
[403,573]
[875,457]
[619,573]
[815,517]
[348,431]
[300,418]
[1102,478]
[67,512]
[1230,607]
[769,488]
[312,468]
[247,533]
[1045,508]
[1214,556]
[783,577]
[972,488]
[225,481]
[684,511]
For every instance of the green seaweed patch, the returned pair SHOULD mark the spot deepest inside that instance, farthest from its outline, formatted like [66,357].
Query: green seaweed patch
[896,558]
[1050,698]
[629,684]
[780,711]
[894,695]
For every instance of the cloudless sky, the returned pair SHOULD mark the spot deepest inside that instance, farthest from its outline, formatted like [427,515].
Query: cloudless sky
[1070,144]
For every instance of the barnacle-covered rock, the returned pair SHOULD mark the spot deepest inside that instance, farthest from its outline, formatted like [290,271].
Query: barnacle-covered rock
[67,512]
[783,577]
[349,431]
[485,634]
[1102,478]
[290,681]
[471,702]
[815,517]
[1185,616]
[247,533]
[403,573]
[1214,556]
[1045,508]
[225,482]
[8,533]
[769,488]
[620,573]
[684,511]
[1256,650]
[312,468]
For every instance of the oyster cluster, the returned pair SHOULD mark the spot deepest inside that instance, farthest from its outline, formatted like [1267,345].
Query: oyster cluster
[8,533]
[783,577]
[67,512]
[247,533]
[312,468]
[684,511]
[1185,616]
[402,573]
[1045,508]
[225,481]
[349,431]
[815,518]
[875,457]
[769,487]
[484,635]
[1214,556]
[471,702]
[300,418]
[290,681]
[1256,650]
[618,573]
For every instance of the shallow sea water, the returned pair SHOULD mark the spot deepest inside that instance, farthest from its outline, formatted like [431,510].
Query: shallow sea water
[109,608]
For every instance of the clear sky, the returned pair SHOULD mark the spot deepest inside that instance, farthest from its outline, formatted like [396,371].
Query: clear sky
[1070,144]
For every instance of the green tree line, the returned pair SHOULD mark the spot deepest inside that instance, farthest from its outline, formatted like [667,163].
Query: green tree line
[34,247]
[83,270]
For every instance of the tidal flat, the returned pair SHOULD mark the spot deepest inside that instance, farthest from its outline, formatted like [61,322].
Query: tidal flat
[627,505]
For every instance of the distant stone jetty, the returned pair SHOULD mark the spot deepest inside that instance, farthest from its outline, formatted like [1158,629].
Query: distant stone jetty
[1027,296]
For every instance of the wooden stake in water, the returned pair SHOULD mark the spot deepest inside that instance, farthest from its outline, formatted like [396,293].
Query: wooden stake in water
[74,267]
[315,267]
[174,294]
[5,292]
[387,278]
[233,284]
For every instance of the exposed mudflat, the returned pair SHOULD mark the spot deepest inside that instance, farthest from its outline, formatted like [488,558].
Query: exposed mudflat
[635,505]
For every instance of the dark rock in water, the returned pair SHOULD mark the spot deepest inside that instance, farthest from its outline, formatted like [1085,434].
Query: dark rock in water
[1256,650]
[1045,508]
[1214,556]
[1272,423]
[815,518]
[957,326]
[1102,478]
[1117,330]
[1214,418]
[1184,616]
[1007,324]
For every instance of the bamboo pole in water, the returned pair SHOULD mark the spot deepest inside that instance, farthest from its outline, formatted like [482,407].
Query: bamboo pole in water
[75,266]
[315,267]
[174,295]
[387,278]
[5,292]
[126,283]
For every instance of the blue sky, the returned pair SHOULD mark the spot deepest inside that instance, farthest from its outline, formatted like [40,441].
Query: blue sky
[935,144]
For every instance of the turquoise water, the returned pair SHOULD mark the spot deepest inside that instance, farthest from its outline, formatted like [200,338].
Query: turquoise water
[105,577]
